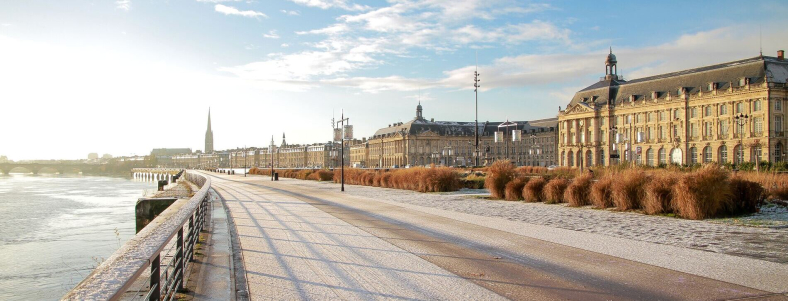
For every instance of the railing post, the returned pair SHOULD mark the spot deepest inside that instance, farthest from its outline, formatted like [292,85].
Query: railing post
[190,239]
[180,264]
[155,275]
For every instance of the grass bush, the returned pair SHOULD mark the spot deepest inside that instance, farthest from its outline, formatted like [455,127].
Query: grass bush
[533,191]
[554,190]
[702,194]
[500,173]
[659,193]
[628,190]
[601,192]
[578,192]
[747,196]
[514,189]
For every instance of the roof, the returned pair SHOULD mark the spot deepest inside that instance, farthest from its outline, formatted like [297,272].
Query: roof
[461,128]
[617,90]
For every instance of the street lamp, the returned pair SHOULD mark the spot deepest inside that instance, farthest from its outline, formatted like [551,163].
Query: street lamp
[345,128]
[614,141]
[506,125]
[741,120]
[476,86]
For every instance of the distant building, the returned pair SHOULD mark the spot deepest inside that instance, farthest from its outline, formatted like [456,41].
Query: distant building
[683,117]
[106,156]
[93,156]
[3,159]
[165,156]
[209,135]
[451,143]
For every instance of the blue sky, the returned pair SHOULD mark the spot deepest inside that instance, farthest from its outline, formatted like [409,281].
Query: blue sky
[108,76]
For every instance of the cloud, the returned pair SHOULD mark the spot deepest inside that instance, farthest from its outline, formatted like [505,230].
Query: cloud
[123,4]
[326,4]
[330,30]
[380,84]
[285,45]
[218,1]
[271,35]
[291,12]
[229,10]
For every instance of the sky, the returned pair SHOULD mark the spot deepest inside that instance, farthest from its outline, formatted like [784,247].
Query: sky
[123,77]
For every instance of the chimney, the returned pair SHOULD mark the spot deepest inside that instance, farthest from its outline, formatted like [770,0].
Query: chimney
[780,54]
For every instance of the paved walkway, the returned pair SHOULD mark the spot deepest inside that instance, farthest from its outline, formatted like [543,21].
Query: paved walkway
[304,243]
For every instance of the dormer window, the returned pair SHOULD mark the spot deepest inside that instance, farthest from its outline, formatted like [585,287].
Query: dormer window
[711,86]
[654,95]
[680,91]
[631,98]
[742,81]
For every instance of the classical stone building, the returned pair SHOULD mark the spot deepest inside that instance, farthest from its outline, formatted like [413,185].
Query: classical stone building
[684,117]
[421,142]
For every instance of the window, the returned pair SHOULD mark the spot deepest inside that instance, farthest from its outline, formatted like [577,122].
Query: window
[602,121]
[723,128]
[693,130]
[756,153]
[639,118]
[758,123]
[723,154]
[694,155]
[739,108]
[601,157]
[708,111]
[741,81]
[711,86]
[723,110]
[708,130]
[629,119]
[650,117]
[693,112]
[756,105]
[778,124]
[663,132]
[663,158]
[651,133]
[778,105]
[663,115]
[676,131]
[707,154]
[650,157]
[676,114]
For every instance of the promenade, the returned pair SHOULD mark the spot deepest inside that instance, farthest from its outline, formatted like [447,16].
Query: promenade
[306,240]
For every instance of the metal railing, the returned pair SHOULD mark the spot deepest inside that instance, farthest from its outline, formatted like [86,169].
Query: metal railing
[118,273]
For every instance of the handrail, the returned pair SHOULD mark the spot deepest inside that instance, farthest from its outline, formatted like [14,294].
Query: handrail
[111,279]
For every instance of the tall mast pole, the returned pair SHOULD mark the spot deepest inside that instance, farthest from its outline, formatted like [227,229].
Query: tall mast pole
[476,86]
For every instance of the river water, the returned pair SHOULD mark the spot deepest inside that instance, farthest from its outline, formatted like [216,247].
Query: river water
[55,229]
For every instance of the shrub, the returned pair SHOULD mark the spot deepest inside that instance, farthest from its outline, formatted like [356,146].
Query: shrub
[747,196]
[514,189]
[577,194]
[500,173]
[659,194]
[554,190]
[628,189]
[703,193]
[534,190]
[601,193]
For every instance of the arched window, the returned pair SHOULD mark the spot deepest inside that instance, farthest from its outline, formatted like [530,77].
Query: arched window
[707,154]
[756,154]
[663,156]
[738,156]
[694,155]
[650,157]
[602,157]
[589,158]
[570,159]
[723,154]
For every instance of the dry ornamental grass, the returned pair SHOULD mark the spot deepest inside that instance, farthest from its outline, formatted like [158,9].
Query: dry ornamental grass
[554,191]
[514,189]
[534,190]
[577,194]
[500,173]
[601,192]
[628,190]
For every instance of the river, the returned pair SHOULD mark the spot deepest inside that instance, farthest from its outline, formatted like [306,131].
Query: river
[55,229]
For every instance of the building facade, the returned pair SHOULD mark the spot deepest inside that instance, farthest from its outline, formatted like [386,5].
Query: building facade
[692,116]
[421,142]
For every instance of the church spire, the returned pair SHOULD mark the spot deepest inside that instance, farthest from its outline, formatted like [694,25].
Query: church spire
[209,135]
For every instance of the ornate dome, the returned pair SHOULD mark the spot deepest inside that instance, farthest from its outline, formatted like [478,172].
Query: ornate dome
[611,58]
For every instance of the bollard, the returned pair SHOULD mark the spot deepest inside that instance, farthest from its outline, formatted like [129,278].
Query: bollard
[276,176]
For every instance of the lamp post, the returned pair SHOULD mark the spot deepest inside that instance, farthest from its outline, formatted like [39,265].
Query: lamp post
[342,123]
[741,120]
[245,153]
[271,151]
[506,126]
[614,141]
[476,86]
